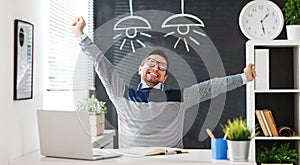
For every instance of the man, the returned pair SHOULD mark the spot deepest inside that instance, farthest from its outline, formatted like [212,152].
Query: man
[150,115]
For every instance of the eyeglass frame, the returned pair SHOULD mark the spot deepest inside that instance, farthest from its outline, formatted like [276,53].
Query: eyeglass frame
[156,63]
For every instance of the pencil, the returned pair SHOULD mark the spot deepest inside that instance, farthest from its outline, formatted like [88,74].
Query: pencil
[226,134]
[210,134]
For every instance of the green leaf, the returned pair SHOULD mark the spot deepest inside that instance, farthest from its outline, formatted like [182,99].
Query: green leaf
[92,105]
[291,11]
[277,154]
[238,129]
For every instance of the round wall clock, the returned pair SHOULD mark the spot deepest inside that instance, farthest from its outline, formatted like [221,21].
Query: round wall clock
[261,20]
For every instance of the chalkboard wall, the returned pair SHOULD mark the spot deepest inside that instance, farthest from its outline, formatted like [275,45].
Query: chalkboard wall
[221,25]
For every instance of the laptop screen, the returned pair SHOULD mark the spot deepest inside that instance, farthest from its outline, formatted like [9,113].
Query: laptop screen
[65,134]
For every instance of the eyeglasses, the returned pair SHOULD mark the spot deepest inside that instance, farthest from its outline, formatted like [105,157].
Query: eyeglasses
[152,63]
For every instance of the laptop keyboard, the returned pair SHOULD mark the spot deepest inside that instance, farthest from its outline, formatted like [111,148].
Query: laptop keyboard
[105,152]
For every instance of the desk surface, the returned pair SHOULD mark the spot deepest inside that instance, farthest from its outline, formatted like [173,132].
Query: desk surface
[195,156]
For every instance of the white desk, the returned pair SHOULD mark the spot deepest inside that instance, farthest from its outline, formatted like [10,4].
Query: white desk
[195,156]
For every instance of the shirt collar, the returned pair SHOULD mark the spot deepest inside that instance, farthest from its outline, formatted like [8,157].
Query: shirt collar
[143,85]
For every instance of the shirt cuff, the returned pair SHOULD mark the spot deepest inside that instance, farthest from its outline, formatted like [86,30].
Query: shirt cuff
[82,37]
[244,78]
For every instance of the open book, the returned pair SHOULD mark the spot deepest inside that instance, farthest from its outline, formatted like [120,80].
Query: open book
[151,151]
[166,151]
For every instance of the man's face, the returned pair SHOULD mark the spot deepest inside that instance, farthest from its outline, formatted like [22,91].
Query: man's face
[152,75]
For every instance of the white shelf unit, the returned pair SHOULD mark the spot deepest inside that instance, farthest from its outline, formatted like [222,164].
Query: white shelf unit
[294,92]
[106,140]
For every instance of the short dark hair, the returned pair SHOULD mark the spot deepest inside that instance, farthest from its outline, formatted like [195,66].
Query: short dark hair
[157,52]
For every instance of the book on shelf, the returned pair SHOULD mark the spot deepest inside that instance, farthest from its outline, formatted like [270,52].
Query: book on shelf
[267,122]
[271,122]
[261,123]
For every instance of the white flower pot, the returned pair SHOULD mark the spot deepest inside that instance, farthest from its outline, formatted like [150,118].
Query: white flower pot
[238,150]
[293,32]
[97,125]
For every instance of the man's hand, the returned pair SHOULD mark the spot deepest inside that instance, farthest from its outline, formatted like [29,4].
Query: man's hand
[250,72]
[78,26]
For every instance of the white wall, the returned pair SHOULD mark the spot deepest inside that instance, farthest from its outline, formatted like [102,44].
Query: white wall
[18,127]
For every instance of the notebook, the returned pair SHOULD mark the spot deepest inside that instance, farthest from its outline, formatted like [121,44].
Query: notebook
[66,134]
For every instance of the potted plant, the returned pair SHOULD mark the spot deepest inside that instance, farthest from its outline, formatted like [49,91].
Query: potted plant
[239,136]
[277,155]
[291,11]
[97,110]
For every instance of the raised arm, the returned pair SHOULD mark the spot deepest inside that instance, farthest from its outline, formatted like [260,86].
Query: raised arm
[109,77]
[214,87]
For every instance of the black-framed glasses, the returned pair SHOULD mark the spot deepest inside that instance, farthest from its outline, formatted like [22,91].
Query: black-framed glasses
[152,63]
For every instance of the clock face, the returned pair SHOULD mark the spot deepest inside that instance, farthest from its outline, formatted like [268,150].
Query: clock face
[261,19]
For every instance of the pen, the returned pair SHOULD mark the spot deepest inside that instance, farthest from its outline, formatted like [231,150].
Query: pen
[210,134]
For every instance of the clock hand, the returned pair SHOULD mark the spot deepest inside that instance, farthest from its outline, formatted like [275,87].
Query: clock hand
[262,26]
[264,17]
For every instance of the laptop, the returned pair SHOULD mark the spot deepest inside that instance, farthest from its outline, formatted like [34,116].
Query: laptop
[66,134]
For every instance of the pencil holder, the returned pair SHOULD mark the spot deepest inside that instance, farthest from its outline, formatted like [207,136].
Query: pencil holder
[219,148]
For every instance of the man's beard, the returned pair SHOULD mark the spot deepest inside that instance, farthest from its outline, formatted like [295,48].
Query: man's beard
[151,82]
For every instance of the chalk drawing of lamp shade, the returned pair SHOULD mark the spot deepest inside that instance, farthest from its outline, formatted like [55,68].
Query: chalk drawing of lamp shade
[131,25]
[182,22]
